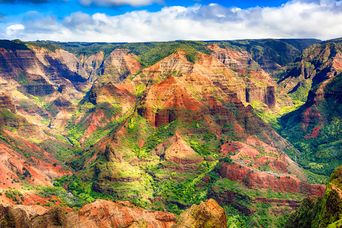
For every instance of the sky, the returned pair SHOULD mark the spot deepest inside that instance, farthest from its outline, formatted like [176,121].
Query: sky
[166,20]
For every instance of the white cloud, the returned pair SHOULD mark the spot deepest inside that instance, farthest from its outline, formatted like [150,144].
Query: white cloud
[295,19]
[119,2]
[14,29]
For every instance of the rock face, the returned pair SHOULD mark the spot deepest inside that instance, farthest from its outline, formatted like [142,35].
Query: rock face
[105,214]
[321,212]
[180,152]
[178,102]
[39,71]
[206,214]
[176,150]
[92,64]
[120,64]
[265,167]
[273,55]
[172,100]
[259,84]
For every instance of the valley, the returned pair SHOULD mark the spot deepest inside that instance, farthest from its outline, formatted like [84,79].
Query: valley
[239,133]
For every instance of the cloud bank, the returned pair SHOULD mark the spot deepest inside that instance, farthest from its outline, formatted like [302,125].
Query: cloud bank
[295,19]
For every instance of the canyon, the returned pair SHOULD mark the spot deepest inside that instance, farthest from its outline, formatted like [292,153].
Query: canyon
[169,134]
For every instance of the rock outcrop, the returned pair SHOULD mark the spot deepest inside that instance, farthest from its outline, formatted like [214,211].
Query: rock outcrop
[206,214]
[102,213]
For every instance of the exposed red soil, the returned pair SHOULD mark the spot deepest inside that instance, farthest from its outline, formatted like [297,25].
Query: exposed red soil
[310,116]
[172,102]
[96,120]
[314,133]
[14,167]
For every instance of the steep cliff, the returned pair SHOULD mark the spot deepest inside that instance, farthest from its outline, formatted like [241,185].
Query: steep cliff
[315,127]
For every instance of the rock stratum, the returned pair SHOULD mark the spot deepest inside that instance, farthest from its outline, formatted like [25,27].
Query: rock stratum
[173,134]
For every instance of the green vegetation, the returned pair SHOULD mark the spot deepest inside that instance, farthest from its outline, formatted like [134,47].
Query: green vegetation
[76,131]
[319,154]
[235,219]
[300,94]
[13,45]
[132,164]
[153,52]
[72,191]
[159,136]
[181,194]
[224,184]
[148,53]
[45,44]
[14,195]
[245,198]
[273,117]
[260,218]
[205,144]
[61,149]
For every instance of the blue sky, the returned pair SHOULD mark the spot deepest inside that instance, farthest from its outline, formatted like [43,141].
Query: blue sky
[61,8]
[161,20]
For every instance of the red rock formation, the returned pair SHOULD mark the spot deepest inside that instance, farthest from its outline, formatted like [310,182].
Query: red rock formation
[106,214]
[279,183]
[15,168]
[103,213]
[172,101]
[259,86]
